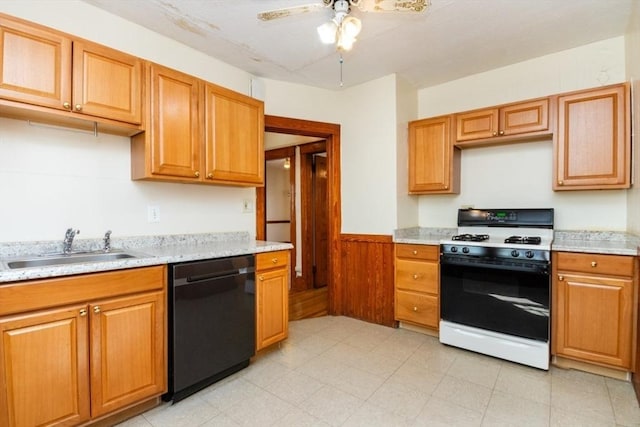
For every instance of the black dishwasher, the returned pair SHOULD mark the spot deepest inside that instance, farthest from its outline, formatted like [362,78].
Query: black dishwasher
[211,322]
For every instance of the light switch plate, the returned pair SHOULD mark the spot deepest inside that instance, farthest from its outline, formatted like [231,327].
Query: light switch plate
[153,214]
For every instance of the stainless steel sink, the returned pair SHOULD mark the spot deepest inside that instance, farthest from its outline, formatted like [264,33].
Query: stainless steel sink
[60,259]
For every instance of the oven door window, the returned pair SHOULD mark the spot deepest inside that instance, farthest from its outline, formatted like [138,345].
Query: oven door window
[499,300]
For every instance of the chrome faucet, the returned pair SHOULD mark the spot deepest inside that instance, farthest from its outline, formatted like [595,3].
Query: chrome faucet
[68,240]
[107,241]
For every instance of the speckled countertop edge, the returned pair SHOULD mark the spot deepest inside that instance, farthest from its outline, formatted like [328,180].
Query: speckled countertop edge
[150,250]
[600,242]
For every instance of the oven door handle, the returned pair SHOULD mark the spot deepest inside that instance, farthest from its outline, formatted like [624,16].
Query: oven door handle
[527,267]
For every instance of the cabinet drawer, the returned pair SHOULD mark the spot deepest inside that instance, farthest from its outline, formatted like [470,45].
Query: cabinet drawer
[617,265]
[419,276]
[426,252]
[417,308]
[267,260]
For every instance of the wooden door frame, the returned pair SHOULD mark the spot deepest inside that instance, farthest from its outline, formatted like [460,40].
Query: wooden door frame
[261,195]
[330,132]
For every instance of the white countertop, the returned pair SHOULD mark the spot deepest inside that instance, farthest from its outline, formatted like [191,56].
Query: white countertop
[151,250]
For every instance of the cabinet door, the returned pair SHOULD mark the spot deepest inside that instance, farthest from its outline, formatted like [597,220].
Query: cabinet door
[592,146]
[525,117]
[127,351]
[44,377]
[234,137]
[175,128]
[106,83]
[35,65]
[272,307]
[593,318]
[434,165]
[477,124]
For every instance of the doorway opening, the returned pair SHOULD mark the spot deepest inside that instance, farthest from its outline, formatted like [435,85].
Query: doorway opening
[301,191]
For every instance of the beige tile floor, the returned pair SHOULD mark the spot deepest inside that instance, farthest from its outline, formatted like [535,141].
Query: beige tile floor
[338,371]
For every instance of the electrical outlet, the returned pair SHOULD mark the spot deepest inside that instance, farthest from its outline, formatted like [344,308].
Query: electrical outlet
[247,206]
[153,214]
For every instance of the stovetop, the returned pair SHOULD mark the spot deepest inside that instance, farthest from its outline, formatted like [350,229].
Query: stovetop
[517,234]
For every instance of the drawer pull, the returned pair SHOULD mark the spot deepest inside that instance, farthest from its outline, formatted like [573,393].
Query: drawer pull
[560,277]
[594,264]
[415,252]
[415,308]
[415,277]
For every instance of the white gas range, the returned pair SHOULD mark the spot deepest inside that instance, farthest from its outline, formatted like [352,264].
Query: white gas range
[495,284]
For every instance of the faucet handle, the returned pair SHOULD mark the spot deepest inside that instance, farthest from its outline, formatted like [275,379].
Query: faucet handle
[107,241]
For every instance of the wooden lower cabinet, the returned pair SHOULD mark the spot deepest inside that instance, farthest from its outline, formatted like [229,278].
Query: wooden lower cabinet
[272,298]
[417,285]
[593,309]
[71,364]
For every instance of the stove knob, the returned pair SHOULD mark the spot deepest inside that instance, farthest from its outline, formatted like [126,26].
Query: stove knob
[454,249]
[529,254]
[465,250]
[515,253]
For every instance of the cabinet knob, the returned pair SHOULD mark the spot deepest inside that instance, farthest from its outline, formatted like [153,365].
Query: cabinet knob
[494,134]
[274,260]
[210,175]
[594,264]
[446,187]
[78,107]
[415,252]
[96,309]
[66,105]
[560,182]
[83,312]
[261,278]
[560,277]
[415,308]
[415,277]
[197,174]
[501,132]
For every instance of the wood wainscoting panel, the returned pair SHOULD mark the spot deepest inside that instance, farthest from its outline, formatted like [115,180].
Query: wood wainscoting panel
[367,277]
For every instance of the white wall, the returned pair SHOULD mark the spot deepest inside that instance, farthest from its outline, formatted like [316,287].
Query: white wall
[369,137]
[633,74]
[407,110]
[498,177]
[54,179]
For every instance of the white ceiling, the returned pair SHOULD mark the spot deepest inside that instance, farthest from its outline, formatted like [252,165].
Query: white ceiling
[452,39]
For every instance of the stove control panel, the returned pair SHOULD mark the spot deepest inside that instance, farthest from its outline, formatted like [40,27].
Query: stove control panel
[493,252]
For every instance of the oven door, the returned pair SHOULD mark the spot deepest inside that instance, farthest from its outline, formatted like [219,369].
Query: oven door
[501,296]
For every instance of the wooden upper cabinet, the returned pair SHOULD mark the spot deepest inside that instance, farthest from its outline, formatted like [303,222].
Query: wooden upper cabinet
[35,65]
[434,163]
[198,132]
[107,83]
[505,123]
[40,67]
[174,129]
[234,135]
[592,147]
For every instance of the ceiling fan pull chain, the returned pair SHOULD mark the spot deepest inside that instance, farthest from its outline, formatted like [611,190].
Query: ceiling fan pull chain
[341,62]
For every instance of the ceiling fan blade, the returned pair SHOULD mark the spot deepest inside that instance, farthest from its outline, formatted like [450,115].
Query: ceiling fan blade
[391,5]
[288,11]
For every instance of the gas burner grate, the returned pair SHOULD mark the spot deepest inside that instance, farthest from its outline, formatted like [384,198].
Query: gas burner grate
[524,240]
[471,237]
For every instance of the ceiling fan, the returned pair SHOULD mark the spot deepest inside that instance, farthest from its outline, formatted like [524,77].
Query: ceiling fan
[343,28]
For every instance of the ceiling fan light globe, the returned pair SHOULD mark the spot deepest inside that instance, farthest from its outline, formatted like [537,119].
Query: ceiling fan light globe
[351,26]
[327,32]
